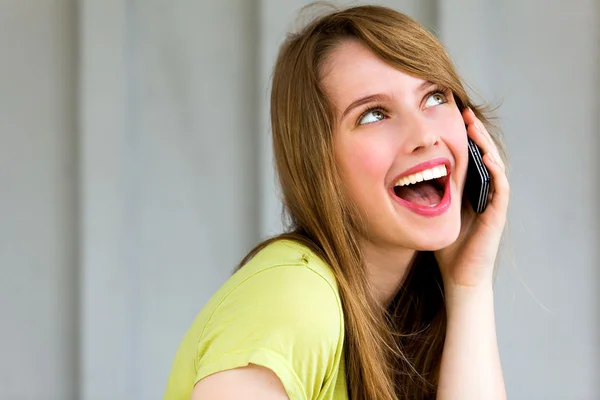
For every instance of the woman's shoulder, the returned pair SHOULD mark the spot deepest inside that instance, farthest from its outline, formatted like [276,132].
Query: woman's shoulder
[282,311]
[286,274]
[285,278]
[285,253]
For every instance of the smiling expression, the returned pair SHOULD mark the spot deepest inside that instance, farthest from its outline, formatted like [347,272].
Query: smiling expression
[390,126]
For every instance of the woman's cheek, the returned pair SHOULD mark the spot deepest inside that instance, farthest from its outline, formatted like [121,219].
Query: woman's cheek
[456,139]
[373,157]
[461,157]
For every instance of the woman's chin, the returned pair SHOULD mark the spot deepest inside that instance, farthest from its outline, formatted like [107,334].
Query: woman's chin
[437,240]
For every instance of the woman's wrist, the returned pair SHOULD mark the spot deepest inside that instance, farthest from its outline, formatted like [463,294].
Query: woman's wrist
[460,296]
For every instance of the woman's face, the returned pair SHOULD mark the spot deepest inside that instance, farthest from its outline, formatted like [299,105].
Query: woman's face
[393,129]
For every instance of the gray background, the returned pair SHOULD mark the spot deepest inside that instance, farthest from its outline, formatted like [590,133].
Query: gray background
[135,170]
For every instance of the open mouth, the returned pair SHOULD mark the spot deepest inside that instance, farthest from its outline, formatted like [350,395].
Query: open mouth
[425,188]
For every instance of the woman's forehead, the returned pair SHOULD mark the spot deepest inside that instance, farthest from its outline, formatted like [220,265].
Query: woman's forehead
[351,70]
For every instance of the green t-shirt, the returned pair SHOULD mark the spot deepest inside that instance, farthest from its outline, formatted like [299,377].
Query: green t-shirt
[282,310]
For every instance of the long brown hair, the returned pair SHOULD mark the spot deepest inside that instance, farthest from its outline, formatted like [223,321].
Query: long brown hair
[393,352]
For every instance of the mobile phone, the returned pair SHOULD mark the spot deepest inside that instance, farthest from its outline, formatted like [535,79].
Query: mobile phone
[477,185]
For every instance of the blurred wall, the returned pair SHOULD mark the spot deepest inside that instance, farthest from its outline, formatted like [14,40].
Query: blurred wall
[541,61]
[168,178]
[38,209]
[125,208]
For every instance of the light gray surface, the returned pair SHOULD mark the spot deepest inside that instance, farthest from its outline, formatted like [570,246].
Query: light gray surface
[38,276]
[549,79]
[168,182]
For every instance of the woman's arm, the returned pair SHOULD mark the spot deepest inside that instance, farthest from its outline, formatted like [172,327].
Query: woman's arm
[470,367]
[249,383]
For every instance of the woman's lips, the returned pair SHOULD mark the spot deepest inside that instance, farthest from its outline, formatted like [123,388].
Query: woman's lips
[427,211]
[425,165]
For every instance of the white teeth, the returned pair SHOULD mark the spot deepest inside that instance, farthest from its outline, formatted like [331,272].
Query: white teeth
[426,175]
[437,172]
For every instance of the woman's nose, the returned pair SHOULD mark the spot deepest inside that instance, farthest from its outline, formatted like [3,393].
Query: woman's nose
[419,136]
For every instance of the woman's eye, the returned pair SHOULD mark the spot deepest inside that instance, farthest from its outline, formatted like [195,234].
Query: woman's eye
[435,99]
[371,116]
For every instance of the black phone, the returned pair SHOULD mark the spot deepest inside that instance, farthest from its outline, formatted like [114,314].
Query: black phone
[477,185]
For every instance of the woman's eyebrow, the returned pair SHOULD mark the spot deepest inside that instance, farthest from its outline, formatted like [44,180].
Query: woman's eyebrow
[379,97]
[423,86]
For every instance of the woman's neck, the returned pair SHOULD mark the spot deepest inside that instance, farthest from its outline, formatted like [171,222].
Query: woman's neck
[387,269]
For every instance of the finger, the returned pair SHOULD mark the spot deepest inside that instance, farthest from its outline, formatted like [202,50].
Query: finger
[477,131]
[484,144]
[472,119]
[489,147]
[469,116]
[486,134]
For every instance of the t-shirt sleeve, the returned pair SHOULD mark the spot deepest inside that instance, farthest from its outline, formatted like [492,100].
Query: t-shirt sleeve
[285,318]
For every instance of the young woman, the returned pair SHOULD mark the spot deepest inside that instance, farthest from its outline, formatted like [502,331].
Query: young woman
[382,287]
